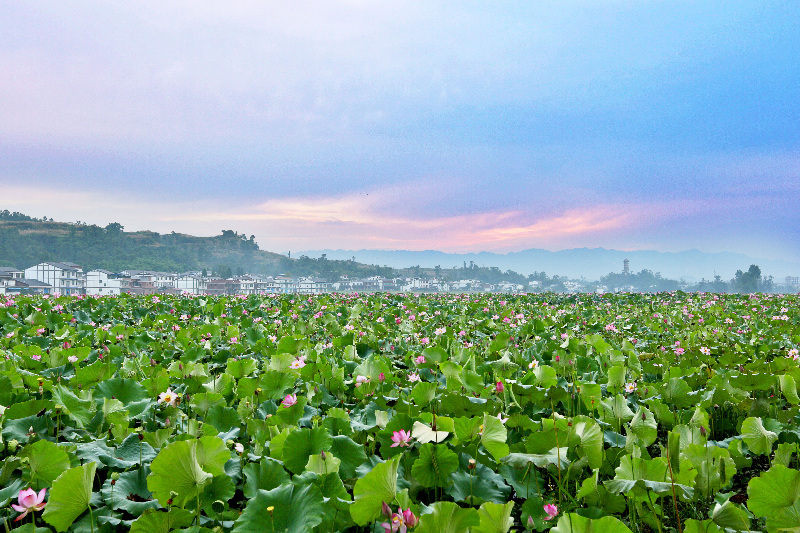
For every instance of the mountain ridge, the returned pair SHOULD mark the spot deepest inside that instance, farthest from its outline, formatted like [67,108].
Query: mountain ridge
[590,263]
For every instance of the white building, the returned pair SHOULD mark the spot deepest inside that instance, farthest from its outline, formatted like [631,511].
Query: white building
[312,286]
[11,273]
[285,285]
[23,286]
[190,284]
[65,278]
[105,283]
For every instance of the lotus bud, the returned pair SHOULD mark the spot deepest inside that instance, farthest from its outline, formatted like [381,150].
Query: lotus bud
[530,522]
[409,518]
[386,510]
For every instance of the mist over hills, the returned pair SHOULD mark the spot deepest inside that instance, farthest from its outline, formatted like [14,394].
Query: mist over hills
[590,263]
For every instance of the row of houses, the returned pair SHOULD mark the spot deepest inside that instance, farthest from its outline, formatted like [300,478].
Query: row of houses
[70,279]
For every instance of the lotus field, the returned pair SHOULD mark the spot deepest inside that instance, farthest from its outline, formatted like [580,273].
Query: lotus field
[400,413]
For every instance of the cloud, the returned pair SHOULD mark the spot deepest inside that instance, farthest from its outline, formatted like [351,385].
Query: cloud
[372,220]
[401,217]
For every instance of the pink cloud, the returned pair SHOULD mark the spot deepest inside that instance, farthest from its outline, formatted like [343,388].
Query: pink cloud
[378,219]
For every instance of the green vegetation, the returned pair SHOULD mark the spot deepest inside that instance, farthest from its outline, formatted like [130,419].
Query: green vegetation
[28,242]
[459,413]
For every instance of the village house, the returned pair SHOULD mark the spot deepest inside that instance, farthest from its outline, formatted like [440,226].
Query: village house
[24,286]
[64,278]
[190,283]
[312,286]
[106,283]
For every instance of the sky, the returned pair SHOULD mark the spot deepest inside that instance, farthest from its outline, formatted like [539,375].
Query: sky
[459,126]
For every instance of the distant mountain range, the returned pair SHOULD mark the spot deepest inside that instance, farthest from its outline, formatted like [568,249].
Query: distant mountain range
[590,263]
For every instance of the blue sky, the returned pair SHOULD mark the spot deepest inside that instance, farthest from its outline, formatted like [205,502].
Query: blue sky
[459,126]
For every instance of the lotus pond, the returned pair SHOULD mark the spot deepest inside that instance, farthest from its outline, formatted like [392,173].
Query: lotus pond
[400,413]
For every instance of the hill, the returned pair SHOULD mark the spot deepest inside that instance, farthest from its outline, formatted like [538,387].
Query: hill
[26,241]
[589,263]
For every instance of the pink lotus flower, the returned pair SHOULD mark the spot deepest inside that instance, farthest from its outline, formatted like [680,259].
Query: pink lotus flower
[499,387]
[289,400]
[29,501]
[551,510]
[401,438]
[400,521]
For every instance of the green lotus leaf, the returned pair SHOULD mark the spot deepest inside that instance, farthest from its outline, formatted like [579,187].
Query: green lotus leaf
[70,495]
[730,516]
[266,475]
[130,452]
[337,503]
[212,454]
[759,440]
[288,508]
[447,517]
[644,427]
[239,368]
[423,393]
[524,481]
[301,443]
[616,411]
[556,456]
[676,392]
[546,376]
[494,518]
[575,523]
[125,390]
[291,415]
[641,475]
[591,440]
[79,409]
[706,526]
[222,418]
[46,462]
[789,389]
[25,409]
[129,493]
[376,487]
[221,488]
[153,521]
[321,466]
[713,465]
[775,494]
[351,454]
[434,465]
[494,436]
[176,469]
[478,485]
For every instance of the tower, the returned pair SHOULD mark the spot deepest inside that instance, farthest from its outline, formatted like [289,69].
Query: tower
[626,269]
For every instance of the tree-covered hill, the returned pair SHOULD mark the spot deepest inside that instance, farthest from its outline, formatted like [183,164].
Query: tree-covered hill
[25,241]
